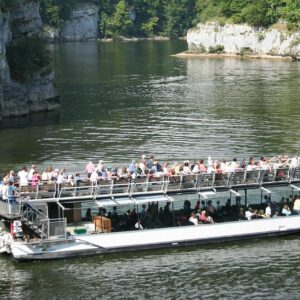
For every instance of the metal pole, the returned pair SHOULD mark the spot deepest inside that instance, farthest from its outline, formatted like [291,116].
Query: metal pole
[246,200]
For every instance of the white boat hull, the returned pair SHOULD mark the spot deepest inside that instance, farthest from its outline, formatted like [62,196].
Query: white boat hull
[90,244]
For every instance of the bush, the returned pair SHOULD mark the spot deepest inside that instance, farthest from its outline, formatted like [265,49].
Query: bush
[246,51]
[218,49]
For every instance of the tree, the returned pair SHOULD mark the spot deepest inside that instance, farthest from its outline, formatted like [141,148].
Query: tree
[292,13]
[120,23]
[178,15]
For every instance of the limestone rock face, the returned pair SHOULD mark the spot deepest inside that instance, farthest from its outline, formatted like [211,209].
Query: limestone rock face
[40,93]
[235,38]
[82,25]
[25,19]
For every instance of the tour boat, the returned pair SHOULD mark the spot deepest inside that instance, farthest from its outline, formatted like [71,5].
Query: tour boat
[37,226]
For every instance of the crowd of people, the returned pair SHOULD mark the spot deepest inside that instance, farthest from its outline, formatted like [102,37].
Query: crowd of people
[154,215]
[153,167]
[150,166]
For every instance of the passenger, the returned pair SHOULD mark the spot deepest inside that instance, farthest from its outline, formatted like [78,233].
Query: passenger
[243,164]
[203,205]
[251,166]
[88,215]
[241,216]
[258,214]
[1,189]
[249,213]
[11,195]
[196,168]
[176,168]
[210,208]
[276,214]
[77,179]
[205,219]
[94,178]
[23,177]
[11,177]
[138,225]
[187,207]
[89,169]
[150,162]
[100,166]
[132,167]
[193,220]
[296,207]
[186,168]
[197,206]
[202,167]
[123,173]
[286,211]
[45,175]
[31,171]
[35,179]
[268,211]
[143,164]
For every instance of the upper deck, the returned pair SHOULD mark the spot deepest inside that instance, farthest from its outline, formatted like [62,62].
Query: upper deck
[149,185]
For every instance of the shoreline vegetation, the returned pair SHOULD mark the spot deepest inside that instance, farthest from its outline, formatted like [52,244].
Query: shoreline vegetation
[191,54]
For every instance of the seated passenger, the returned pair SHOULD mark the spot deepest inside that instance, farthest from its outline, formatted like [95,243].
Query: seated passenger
[193,220]
[249,213]
[88,215]
[286,211]
[206,219]
[268,211]
[138,225]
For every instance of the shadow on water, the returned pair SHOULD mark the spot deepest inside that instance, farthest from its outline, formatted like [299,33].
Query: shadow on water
[31,120]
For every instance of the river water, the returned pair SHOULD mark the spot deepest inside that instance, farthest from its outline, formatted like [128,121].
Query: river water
[122,100]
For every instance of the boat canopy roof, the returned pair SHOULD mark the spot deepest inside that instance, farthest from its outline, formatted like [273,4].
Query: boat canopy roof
[129,200]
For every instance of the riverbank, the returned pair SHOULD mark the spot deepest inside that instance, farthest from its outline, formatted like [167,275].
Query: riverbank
[138,39]
[190,54]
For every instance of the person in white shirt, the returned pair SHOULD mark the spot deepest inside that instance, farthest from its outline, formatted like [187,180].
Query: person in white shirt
[268,211]
[23,177]
[286,211]
[31,171]
[193,219]
[249,213]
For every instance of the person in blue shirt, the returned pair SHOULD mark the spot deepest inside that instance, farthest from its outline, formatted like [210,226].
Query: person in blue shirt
[11,193]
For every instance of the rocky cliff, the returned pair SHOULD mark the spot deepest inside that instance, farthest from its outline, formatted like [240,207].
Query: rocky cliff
[38,94]
[237,39]
[82,25]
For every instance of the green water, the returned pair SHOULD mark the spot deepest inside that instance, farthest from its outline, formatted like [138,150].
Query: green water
[122,100]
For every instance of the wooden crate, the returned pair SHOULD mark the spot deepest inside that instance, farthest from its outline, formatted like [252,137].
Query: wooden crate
[102,224]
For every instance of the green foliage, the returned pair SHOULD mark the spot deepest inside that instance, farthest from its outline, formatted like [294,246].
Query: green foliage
[172,17]
[5,5]
[291,13]
[246,51]
[218,49]
[27,56]
[253,12]
[148,27]
[55,12]
[120,23]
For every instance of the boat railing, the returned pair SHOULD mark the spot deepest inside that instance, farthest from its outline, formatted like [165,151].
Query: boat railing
[57,228]
[295,173]
[10,209]
[166,184]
